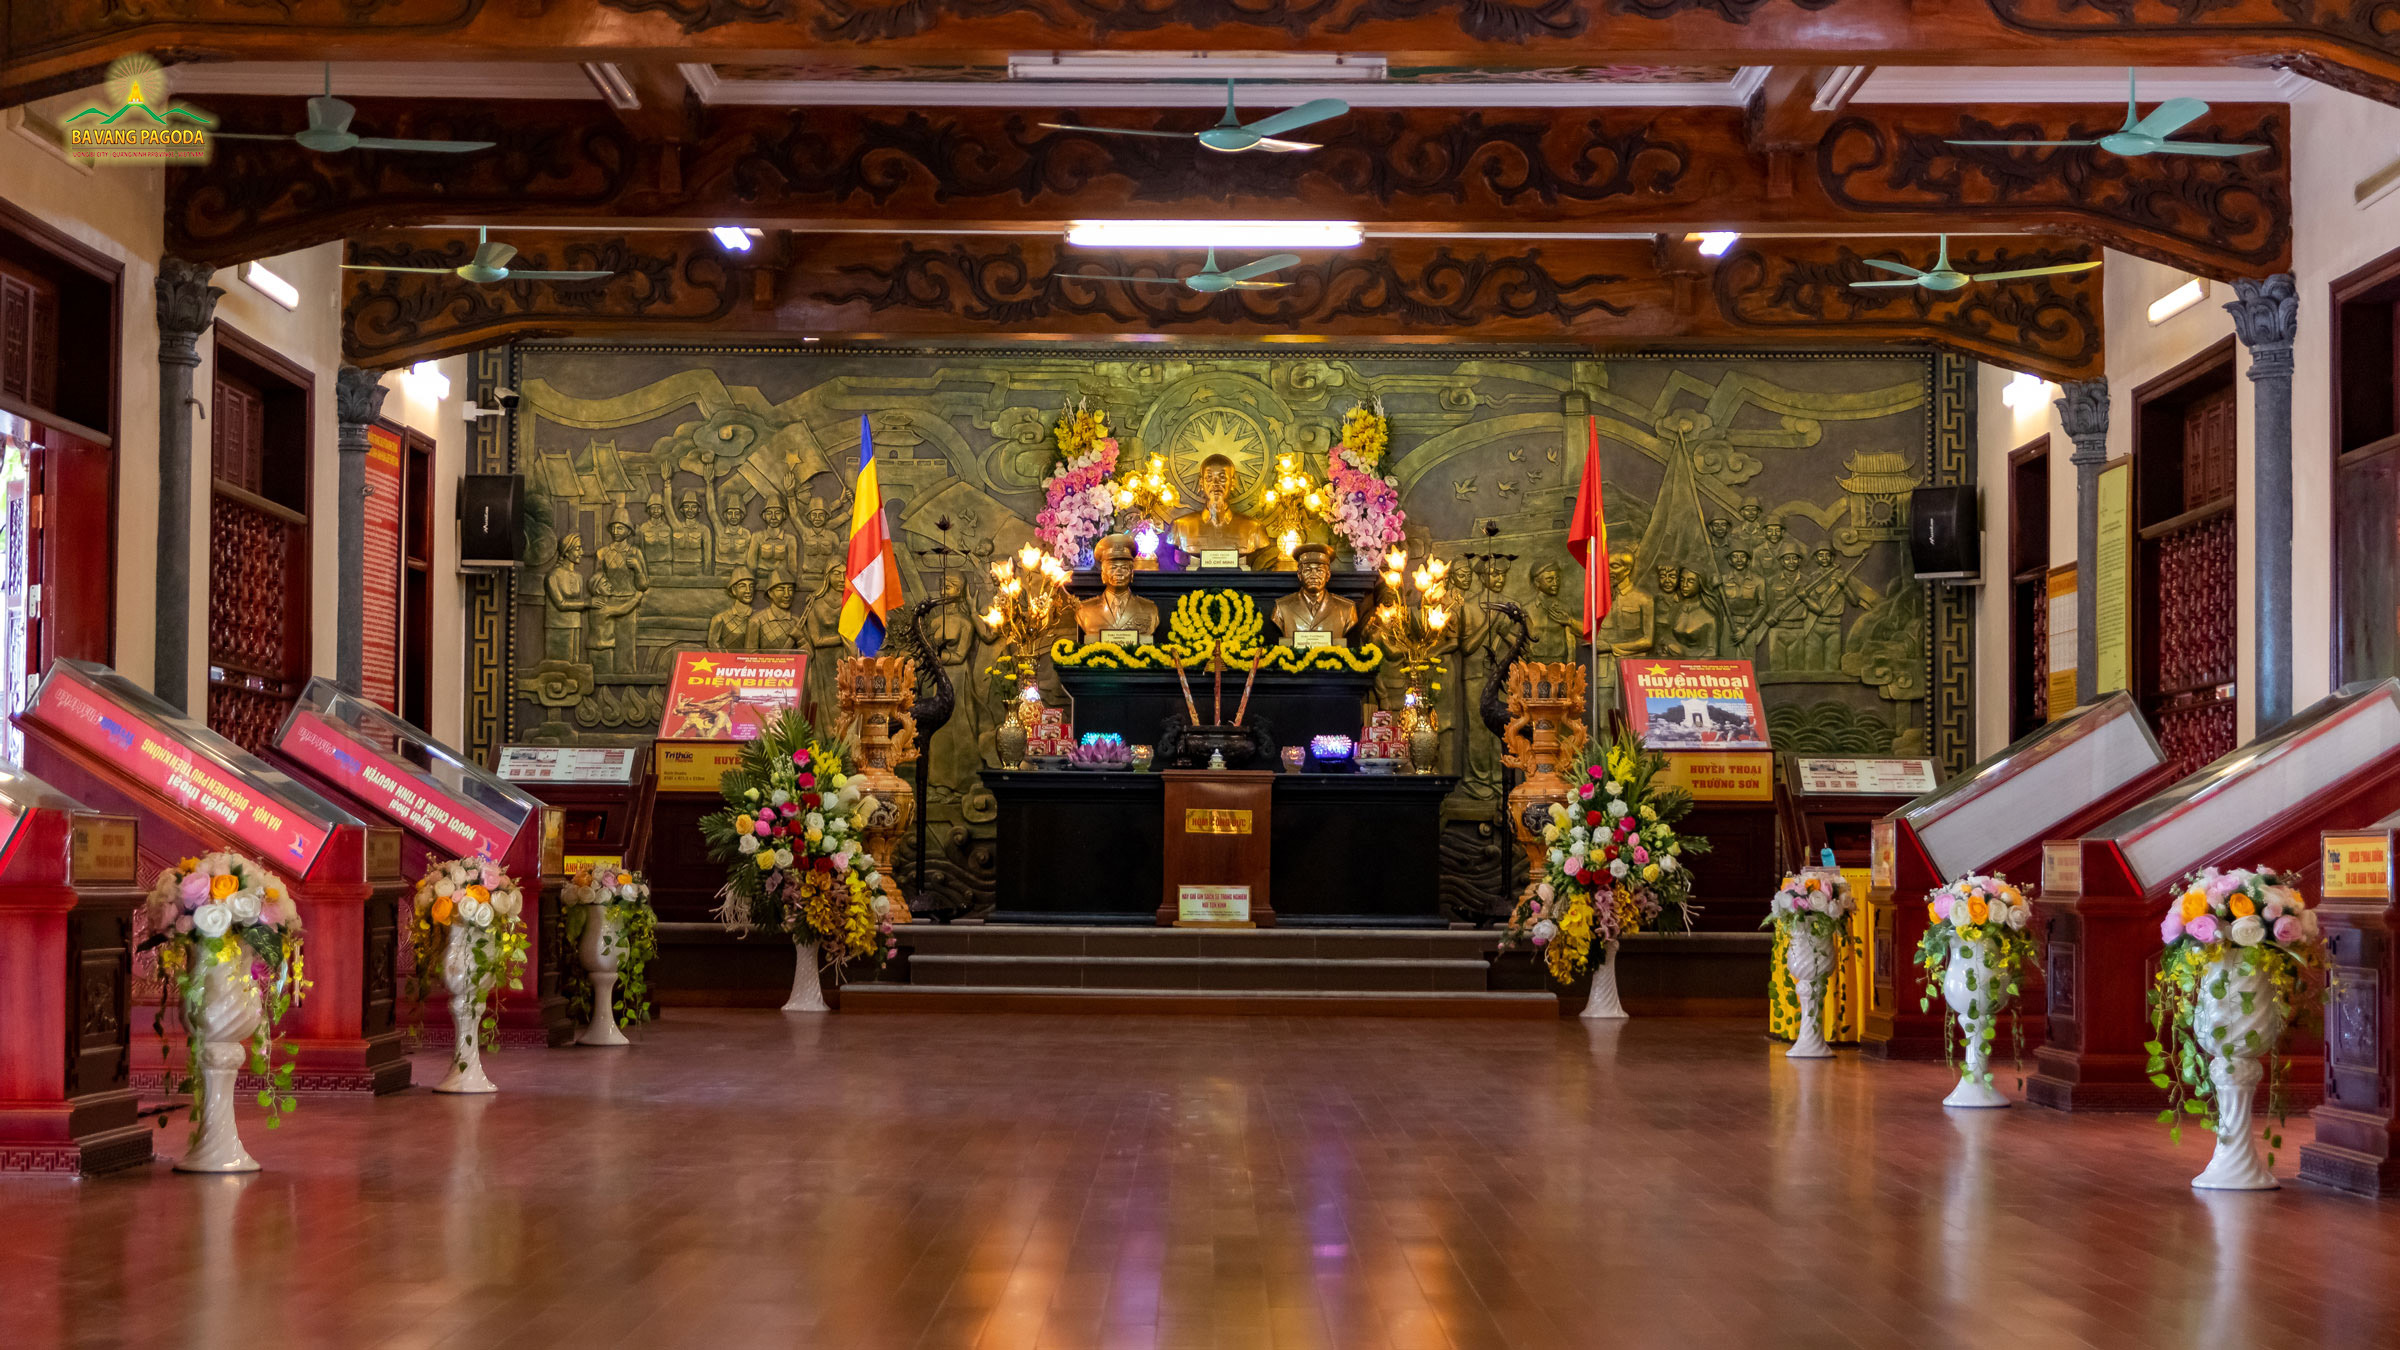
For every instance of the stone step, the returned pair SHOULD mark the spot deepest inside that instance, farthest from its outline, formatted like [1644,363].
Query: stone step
[922,998]
[1186,943]
[1403,974]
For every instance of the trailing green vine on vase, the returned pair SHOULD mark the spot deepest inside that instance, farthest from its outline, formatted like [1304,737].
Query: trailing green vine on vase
[620,900]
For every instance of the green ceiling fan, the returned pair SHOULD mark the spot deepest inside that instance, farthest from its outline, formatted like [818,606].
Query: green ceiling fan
[1232,134]
[1210,279]
[1943,277]
[329,132]
[2148,135]
[489,264]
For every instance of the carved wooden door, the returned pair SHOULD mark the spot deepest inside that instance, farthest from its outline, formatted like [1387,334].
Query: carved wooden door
[256,547]
[2191,664]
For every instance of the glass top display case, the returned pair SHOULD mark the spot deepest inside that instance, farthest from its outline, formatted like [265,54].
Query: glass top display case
[139,740]
[405,775]
[2048,777]
[2241,800]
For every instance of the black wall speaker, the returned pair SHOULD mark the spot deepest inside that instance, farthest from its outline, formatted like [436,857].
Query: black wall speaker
[491,519]
[1943,541]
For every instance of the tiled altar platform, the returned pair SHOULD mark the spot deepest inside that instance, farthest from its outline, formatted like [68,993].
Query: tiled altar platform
[743,1180]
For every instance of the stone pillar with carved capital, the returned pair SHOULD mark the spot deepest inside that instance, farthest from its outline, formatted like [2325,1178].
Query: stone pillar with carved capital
[357,401]
[2083,413]
[2266,316]
[187,305]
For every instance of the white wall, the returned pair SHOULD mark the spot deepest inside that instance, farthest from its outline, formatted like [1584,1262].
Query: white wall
[2338,139]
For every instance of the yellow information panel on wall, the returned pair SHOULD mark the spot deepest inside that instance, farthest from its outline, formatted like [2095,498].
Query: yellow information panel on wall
[1722,775]
[695,766]
[2112,581]
[2358,866]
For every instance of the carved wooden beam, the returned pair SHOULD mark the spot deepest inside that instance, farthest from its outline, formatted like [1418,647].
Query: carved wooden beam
[61,44]
[1591,294]
[1886,169]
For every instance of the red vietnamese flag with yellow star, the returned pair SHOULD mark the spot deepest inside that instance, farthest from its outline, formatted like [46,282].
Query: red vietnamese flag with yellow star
[1587,536]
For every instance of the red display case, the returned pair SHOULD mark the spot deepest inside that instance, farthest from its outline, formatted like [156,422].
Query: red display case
[2334,766]
[383,768]
[68,889]
[2061,778]
[99,736]
[2357,1148]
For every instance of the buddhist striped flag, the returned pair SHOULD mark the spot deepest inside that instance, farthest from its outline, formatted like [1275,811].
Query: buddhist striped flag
[874,574]
[1587,536]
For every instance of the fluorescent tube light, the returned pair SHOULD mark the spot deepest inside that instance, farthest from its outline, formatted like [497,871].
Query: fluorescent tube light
[735,238]
[1215,233]
[2178,300]
[268,284]
[1714,243]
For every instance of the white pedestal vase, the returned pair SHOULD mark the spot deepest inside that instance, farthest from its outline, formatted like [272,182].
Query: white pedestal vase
[806,997]
[230,1011]
[603,938]
[467,994]
[1808,955]
[2242,1039]
[1978,994]
[1603,1004]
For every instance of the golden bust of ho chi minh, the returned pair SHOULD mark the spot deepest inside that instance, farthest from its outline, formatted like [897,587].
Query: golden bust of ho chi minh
[1215,525]
[1116,609]
[1312,608]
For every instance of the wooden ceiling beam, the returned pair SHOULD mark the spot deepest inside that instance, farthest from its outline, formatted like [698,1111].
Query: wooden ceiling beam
[63,44]
[1592,295]
[1882,170]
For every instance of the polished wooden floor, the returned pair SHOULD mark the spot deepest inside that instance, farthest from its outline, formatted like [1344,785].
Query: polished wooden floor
[753,1179]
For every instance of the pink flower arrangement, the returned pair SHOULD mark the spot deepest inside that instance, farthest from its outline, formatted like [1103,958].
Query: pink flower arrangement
[1366,506]
[1079,505]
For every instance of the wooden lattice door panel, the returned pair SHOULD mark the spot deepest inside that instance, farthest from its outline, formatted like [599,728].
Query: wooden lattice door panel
[238,435]
[2193,629]
[28,338]
[2208,450]
[252,648]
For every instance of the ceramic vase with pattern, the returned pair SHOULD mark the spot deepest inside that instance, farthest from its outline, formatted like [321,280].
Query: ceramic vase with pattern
[1808,955]
[807,995]
[470,962]
[1603,1004]
[1978,994]
[603,938]
[2238,1038]
[230,1011]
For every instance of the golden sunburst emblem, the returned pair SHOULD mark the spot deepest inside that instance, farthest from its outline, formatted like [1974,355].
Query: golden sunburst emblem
[1230,432]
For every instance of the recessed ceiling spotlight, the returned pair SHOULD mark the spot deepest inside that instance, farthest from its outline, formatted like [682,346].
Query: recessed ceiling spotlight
[1714,242]
[735,238]
[1231,234]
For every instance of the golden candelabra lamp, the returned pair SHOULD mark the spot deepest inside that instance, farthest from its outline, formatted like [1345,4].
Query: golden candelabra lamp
[1291,503]
[1029,599]
[1145,504]
[1413,623]
[878,694]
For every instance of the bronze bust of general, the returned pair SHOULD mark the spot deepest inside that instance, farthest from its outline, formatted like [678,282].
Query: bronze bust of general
[1216,526]
[1116,609]
[1313,609]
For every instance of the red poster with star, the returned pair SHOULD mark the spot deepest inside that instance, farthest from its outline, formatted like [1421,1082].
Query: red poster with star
[1695,705]
[729,696]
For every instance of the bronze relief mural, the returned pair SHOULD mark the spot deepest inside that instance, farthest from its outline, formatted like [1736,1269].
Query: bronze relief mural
[686,496]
